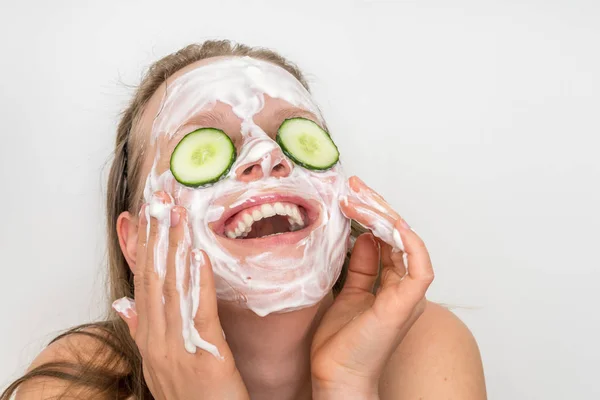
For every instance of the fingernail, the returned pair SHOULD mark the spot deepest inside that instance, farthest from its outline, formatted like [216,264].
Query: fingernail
[198,257]
[124,306]
[175,217]
[357,179]
[404,224]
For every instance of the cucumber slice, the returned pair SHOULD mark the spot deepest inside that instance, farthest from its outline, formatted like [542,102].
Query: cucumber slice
[307,144]
[202,157]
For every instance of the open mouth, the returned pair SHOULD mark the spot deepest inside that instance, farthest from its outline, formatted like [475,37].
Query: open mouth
[265,218]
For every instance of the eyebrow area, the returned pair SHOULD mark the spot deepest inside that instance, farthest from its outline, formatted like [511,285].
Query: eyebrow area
[291,112]
[225,119]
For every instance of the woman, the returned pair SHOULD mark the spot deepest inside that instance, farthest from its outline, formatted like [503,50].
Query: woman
[228,214]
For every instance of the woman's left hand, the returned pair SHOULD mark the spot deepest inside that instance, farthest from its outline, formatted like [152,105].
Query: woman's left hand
[361,330]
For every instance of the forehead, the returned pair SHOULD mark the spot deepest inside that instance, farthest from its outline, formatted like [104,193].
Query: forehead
[242,83]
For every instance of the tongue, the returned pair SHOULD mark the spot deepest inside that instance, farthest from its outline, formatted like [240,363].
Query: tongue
[269,226]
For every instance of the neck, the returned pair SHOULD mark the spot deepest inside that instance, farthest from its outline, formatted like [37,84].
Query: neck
[272,353]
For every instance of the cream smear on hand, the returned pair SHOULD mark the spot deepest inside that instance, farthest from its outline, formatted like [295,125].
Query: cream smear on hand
[381,227]
[277,279]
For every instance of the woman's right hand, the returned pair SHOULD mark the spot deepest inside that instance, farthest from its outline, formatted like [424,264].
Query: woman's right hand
[171,372]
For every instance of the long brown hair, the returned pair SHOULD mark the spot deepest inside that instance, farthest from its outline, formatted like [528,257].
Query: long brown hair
[114,370]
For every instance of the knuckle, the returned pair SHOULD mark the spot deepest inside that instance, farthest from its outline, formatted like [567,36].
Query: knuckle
[149,278]
[138,281]
[202,322]
[170,291]
[173,242]
[170,282]
[156,357]
[420,244]
[181,364]
[428,277]
[198,369]
[153,227]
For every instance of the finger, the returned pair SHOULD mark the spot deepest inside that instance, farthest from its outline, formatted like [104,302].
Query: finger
[402,295]
[125,308]
[142,239]
[160,211]
[394,274]
[204,298]
[370,197]
[156,257]
[177,265]
[392,259]
[381,224]
[364,265]
[364,214]
[367,207]
[419,269]
[391,262]
[140,267]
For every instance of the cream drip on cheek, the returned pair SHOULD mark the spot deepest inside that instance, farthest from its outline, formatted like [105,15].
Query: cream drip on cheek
[265,280]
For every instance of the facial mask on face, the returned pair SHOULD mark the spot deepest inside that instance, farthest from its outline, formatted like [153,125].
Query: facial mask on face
[277,274]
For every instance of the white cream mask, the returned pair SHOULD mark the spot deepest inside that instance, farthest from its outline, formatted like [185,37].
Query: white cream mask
[276,278]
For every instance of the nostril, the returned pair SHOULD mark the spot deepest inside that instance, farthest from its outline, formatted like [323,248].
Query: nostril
[254,171]
[279,168]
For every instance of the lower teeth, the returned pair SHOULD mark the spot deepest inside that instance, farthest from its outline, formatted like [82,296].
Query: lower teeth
[272,234]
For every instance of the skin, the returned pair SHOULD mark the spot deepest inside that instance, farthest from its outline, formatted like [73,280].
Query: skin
[390,345]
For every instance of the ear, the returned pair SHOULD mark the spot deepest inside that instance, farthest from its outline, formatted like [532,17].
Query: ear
[127,230]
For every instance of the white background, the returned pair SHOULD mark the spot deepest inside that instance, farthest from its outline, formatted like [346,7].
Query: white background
[478,120]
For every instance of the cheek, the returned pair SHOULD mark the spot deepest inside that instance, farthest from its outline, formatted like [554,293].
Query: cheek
[328,185]
[183,195]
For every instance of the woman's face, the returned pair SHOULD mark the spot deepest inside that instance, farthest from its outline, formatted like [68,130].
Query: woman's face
[272,229]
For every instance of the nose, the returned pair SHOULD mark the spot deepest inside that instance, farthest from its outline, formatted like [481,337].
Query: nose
[271,164]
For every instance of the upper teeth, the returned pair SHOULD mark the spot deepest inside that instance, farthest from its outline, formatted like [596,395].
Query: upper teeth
[265,211]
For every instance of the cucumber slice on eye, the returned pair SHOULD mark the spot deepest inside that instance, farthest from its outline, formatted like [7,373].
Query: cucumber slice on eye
[202,157]
[307,144]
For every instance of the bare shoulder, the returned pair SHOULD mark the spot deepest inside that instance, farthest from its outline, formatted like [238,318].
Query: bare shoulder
[85,347]
[438,359]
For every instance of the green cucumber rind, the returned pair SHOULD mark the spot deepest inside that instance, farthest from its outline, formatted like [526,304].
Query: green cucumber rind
[211,181]
[300,162]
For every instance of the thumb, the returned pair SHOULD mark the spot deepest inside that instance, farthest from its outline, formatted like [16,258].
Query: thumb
[125,307]
[364,264]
